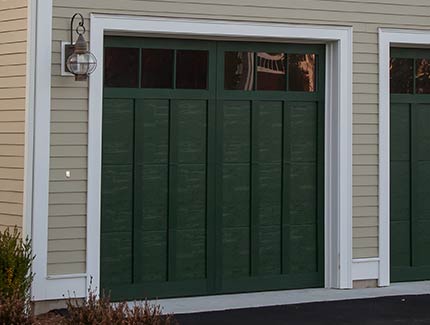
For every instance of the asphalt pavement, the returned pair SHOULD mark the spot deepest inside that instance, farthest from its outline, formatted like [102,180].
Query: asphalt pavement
[378,311]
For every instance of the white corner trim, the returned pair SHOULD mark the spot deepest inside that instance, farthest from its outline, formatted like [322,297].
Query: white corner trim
[365,269]
[388,38]
[29,119]
[42,289]
[338,157]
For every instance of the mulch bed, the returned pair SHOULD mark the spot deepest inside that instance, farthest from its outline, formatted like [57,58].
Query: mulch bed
[51,318]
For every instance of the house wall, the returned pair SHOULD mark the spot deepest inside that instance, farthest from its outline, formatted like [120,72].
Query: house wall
[67,205]
[13,51]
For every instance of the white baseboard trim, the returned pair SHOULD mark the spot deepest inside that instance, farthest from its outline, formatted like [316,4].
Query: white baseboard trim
[63,287]
[365,269]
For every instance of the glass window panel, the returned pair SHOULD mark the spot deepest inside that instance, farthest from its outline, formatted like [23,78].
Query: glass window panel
[422,83]
[239,70]
[191,69]
[157,68]
[121,67]
[401,76]
[271,71]
[302,72]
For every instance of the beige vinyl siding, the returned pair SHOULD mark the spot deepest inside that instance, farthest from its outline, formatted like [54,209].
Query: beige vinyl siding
[69,133]
[13,48]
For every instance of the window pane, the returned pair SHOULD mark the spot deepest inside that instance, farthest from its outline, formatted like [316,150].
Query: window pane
[157,68]
[401,76]
[121,67]
[191,69]
[270,71]
[301,69]
[422,85]
[239,71]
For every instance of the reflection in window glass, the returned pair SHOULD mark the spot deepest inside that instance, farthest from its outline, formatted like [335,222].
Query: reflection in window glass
[401,76]
[191,69]
[121,67]
[422,83]
[271,71]
[302,72]
[157,68]
[239,71]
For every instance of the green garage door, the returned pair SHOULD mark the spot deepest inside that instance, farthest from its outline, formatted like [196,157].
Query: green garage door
[213,173]
[410,165]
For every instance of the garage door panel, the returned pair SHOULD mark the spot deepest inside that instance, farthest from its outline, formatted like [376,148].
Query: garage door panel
[303,194]
[190,196]
[118,135]
[117,208]
[190,254]
[189,131]
[269,195]
[421,249]
[151,197]
[235,195]
[421,118]
[268,131]
[116,258]
[400,190]
[150,251]
[269,254]
[400,243]
[302,124]
[152,131]
[235,252]
[421,190]
[400,132]
[236,137]
[302,247]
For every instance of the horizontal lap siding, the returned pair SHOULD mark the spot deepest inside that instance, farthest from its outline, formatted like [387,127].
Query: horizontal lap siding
[69,127]
[13,47]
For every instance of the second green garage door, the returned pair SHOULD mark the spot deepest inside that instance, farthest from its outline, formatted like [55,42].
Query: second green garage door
[213,173]
[410,165]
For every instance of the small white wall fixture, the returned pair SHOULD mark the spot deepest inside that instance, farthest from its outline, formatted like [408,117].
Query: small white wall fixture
[338,136]
[389,38]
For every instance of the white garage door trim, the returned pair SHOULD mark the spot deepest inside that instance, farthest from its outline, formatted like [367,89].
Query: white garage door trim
[338,208]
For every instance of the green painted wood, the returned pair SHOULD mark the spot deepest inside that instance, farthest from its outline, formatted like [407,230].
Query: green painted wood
[117,191]
[410,176]
[212,191]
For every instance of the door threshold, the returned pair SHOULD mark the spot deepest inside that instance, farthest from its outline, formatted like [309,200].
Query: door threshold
[286,297]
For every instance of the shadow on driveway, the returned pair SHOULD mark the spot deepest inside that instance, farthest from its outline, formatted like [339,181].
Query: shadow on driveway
[387,310]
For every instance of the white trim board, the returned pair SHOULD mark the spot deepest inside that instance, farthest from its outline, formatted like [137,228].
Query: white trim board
[387,39]
[365,269]
[42,288]
[338,155]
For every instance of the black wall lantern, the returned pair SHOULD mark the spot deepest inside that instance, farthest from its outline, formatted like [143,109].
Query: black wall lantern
[80,61]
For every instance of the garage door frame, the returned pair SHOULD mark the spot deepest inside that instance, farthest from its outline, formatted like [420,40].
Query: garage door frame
[338,125]
[389,38]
